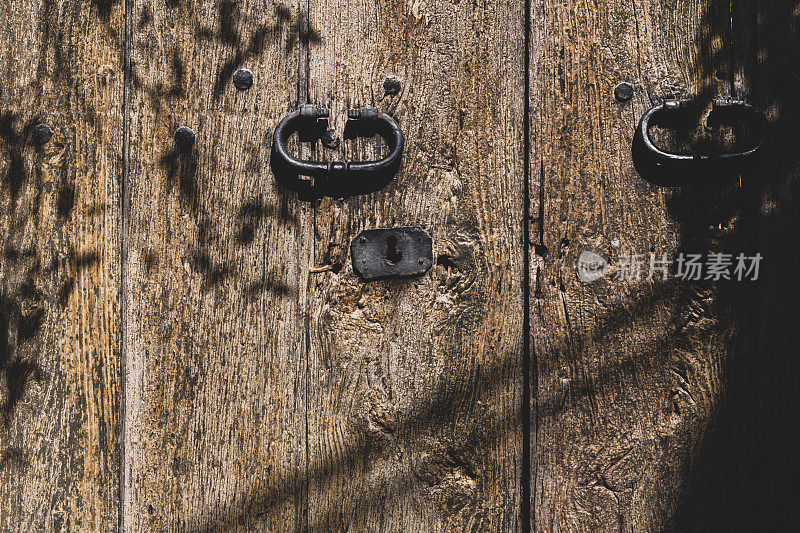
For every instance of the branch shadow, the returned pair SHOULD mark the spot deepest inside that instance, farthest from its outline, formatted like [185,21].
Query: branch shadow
[455,399]
[742,477]
[32,288]
[244,49]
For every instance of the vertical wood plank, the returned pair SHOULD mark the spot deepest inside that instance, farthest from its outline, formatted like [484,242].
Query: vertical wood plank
[215,401]
[415,385]
[746,469]
[628,374]
[766,391]
[61,65]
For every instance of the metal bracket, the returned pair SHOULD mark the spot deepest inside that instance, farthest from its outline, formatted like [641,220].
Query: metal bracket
[392,252]
[335,178]
[669,169]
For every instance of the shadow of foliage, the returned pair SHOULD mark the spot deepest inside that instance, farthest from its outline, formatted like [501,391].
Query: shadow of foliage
[245,48]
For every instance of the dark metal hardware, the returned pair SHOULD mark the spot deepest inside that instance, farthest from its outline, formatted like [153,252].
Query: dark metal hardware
[330,139]
[623,92]
[184,138]
[336,178]
[42,134]
[243,79]
[669,169]
[392,252]
[392,85]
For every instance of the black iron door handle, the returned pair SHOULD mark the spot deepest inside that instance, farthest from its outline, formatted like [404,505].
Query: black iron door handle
[336,178]
[669,169]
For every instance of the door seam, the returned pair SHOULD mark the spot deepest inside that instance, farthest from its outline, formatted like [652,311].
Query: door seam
[527,355]
[125,201]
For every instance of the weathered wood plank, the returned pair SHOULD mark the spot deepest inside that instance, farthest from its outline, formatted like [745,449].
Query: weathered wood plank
[746,470]
[415,386]
[765,390]
[61,65]
[627,374]
[215,401]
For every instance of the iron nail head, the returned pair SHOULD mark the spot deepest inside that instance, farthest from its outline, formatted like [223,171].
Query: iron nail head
[392,85]
[623,92]
[42,134]
[184,138]
[243,79]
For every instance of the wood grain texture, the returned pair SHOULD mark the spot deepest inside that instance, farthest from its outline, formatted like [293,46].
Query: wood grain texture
[765,397]
[415,385]
[61,65]
[628,374]
[268,388]
[215,400]
[745,476]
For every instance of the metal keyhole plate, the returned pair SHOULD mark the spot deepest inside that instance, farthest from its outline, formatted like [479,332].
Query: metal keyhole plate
[392,252]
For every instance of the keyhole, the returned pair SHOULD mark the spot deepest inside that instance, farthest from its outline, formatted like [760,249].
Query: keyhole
[393,253]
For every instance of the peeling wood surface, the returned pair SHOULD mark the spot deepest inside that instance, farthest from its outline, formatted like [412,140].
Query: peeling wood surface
[60,65]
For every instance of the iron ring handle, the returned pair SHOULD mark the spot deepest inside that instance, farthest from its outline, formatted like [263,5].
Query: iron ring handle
[670,169]
[337,177]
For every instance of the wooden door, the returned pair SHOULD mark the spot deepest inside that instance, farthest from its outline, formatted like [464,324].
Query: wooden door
[184,345]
